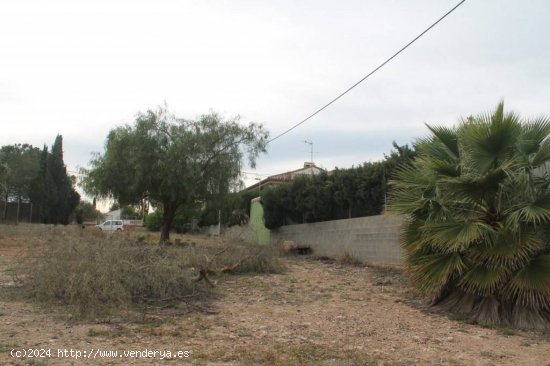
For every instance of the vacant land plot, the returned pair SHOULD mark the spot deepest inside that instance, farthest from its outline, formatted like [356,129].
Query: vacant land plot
[315,313]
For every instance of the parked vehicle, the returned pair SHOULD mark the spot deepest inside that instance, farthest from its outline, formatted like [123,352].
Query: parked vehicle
[112,225]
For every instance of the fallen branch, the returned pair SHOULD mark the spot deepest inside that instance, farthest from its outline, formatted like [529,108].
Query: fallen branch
[203,275]
[230,269]
[221,251]
[204,270]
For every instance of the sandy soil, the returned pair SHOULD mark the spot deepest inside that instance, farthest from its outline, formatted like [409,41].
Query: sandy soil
[317,313]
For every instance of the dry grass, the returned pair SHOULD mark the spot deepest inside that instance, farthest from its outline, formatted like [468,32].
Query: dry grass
[95,274]
[350,259]
[316,313]
[304,354]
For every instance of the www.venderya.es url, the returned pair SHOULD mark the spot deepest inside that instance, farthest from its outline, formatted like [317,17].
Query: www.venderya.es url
[94,353]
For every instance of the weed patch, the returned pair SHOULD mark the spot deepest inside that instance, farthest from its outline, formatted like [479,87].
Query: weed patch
[349,259]
[95,276]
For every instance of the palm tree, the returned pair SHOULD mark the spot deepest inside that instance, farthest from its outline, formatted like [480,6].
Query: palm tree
[478,200]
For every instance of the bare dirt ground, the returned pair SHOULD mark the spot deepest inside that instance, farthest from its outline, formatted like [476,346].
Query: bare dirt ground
[316,313]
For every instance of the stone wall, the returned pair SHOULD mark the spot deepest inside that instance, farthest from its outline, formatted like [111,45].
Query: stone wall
[373,239]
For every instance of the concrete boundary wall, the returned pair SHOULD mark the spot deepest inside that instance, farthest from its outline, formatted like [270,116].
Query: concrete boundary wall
[373,239]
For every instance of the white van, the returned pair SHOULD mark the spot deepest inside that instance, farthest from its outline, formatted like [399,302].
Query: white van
[112,225]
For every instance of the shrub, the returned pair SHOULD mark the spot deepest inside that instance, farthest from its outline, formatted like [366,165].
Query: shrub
[350,259]
[478,200]
[233,207]
[153,221]
[184,215]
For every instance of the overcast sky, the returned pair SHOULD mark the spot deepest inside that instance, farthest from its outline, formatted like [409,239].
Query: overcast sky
[81,68]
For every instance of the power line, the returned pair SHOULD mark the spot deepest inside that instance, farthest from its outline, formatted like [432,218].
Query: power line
[257,174]
[369,74]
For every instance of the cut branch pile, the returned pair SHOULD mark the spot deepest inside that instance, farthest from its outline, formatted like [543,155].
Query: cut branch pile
[207,268]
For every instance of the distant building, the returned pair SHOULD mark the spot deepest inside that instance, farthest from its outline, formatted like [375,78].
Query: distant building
[113,215]
[309,169]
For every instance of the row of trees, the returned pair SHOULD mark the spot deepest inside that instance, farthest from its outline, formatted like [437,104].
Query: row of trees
[340,194]
[19,166]
[28,174]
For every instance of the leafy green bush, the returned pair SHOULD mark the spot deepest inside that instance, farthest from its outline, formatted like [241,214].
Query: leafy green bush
[184,215]
[234,209]
[153,220]
[85,211]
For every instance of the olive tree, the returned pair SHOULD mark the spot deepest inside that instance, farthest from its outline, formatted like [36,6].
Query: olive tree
[172,162]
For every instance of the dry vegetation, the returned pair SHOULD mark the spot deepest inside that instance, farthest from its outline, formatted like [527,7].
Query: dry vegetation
[312,313]
[349,258]
[93,274]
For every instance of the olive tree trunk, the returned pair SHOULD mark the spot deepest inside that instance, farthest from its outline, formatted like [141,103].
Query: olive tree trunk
[167,220]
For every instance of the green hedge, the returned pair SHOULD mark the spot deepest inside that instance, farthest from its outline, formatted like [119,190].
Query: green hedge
[340,194]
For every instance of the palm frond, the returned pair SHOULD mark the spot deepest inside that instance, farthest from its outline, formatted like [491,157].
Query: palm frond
[542,155]
[447,136]
[410,191]
[482,280]
[536,212]
[534,133]
[517,191]
[475,189]
[486,145]
[443,167]
[410,236]
[530,286]
[432,147]
[454,236]
[507,248]
[498,115]
[432,272]
[407,176]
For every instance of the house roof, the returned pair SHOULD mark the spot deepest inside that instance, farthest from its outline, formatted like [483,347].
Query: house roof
[309,168]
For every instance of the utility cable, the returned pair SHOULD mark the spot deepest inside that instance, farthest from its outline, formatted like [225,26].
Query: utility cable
[369,74]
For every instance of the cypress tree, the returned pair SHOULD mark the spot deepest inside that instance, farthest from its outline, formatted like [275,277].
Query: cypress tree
[53,189]
[43,193]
